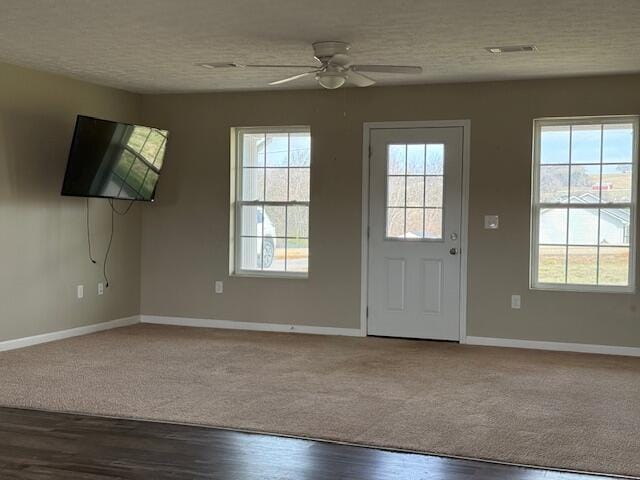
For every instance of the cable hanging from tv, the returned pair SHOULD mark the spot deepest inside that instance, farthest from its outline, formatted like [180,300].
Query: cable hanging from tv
[89,233]
[113,211]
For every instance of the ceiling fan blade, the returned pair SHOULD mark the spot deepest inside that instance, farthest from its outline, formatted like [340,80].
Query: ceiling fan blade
[241,65]
[280,66]
[360,80]
[295,77]
[386,68]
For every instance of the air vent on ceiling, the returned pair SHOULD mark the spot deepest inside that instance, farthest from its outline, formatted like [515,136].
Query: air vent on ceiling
[220,65]
[512,49]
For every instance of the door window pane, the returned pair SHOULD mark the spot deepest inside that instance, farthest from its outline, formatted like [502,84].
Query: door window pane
[433,223]
[397,160]
[433,194]
[395,222]
[395,191]
[415,159]
[415,191]
[435,159]
[414,223]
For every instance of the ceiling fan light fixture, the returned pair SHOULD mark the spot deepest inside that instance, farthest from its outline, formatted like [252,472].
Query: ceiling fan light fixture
[331,80]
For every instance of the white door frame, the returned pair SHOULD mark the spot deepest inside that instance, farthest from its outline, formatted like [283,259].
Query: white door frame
[466,158]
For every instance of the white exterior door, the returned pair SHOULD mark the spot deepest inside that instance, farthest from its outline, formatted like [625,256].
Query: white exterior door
[415,212]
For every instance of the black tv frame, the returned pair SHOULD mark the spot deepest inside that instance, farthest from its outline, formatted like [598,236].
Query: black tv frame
[73,141]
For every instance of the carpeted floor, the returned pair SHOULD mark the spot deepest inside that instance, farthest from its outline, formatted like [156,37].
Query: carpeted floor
[565,410]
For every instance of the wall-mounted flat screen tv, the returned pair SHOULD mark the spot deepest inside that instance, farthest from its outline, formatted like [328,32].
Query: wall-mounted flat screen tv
[114,160]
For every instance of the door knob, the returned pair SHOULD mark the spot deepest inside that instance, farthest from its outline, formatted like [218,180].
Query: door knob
[453,251]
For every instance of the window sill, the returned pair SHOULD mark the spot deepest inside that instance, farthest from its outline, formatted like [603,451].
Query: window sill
[280,275]
[552,287]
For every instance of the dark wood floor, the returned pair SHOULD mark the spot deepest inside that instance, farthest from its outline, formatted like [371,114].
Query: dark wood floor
[39,445]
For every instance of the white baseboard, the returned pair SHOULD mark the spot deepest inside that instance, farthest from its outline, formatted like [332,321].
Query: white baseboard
[555,346]
[72,332]
[262,327]
[276,327]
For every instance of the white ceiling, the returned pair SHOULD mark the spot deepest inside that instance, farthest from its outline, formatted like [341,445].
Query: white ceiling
[153,45]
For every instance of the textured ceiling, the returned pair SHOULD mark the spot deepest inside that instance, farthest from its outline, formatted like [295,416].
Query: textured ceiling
[153,45]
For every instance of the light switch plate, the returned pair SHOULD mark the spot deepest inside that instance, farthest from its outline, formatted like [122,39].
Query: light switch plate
[100,288]
[219,287]
[491,222]
[515,301]
[80,291]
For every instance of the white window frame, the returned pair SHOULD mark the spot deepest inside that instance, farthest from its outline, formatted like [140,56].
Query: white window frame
[235,261]
[536,206]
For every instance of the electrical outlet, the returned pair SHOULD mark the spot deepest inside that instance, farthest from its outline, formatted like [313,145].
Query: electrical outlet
[80,291]
[100,288]
[219,286]
[515,301]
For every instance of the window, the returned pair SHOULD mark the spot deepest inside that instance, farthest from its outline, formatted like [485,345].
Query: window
[415,175]
[271,205]
[584,204]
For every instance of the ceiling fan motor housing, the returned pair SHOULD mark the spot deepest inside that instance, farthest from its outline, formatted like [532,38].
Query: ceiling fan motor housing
[324,51]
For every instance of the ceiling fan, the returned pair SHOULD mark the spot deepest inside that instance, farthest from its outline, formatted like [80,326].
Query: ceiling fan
[334,70]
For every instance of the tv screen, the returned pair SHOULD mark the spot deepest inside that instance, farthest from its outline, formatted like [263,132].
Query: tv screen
[114,160]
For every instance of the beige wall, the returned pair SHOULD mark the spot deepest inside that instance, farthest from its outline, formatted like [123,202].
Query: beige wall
[185,234]
[43,243]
